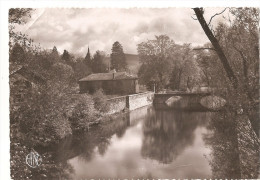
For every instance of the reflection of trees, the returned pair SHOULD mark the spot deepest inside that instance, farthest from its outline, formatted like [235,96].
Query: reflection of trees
[234,152]
[167,134]
[103,146]
[98,137]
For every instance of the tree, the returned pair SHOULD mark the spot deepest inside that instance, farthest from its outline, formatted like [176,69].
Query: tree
[98,65]
[81,69]
[118,60]
[236,45]
[166,64]
[185,71]
[205,66]
[66,56]
[17,54]
[55,51]
[19,15]
[230,73]
[155,56]
[54,56]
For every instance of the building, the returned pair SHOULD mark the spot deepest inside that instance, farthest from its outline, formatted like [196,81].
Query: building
[120,83]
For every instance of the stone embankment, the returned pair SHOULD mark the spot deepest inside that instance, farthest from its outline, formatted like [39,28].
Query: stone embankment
[129,102]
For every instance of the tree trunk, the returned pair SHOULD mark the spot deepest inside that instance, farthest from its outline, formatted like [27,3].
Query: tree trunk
[214,41]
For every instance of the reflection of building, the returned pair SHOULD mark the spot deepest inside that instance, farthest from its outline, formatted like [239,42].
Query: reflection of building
[22,82]
[112,83]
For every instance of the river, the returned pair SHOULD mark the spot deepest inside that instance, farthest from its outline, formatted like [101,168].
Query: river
[144,143]
[149,143]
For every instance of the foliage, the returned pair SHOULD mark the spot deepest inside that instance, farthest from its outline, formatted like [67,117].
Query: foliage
[61,71]
[45,115]
[98,65]
[222,140]
[238,39]
[118,60]
[17,54]
[233,155]
[83,113]
[155,56]
[100,101]
[65,56]
[49,169]
[236,43]
[54,56]
[186,72]
[68,58]
[19,15]
[81,69]
[166,64]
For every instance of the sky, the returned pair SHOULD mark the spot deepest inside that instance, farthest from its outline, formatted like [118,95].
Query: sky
[77,29]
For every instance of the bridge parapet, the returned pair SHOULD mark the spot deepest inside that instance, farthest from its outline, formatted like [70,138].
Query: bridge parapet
[185,101]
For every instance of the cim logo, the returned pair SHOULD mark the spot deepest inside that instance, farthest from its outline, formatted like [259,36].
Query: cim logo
[33,159]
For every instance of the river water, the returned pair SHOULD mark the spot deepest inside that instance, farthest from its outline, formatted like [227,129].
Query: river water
[145,143]
[150,143]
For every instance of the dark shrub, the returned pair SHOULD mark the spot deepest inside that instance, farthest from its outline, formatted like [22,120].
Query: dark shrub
[83,113]
[100,101]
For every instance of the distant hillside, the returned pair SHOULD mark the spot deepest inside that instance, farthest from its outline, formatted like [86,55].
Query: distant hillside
[132,61]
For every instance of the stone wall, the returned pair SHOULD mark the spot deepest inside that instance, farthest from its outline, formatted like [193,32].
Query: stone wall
[136,101]
[116,104]
[130,102]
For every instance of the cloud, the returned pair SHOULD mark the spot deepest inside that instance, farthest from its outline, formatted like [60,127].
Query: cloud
[76,29]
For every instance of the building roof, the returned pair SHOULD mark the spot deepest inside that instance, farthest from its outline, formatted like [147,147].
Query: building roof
[108,76]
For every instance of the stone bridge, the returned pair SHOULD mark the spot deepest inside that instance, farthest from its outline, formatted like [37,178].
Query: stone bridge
[180,100]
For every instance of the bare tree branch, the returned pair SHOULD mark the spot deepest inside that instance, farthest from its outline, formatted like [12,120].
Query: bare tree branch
[216,15]
[194,18]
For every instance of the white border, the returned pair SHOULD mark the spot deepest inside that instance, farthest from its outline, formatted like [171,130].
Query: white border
[5,5]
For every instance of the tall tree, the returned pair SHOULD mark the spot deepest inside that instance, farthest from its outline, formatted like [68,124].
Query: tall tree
[54,56]
[185,71]
[65,56]
[205,26]
[17,54]
[98,65]
[236,45]
[55,51]
[155,56]
[118,60]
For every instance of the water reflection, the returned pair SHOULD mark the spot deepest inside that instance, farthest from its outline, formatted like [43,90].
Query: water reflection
[168,133]
[84,145]
[149,143]
[141,143]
